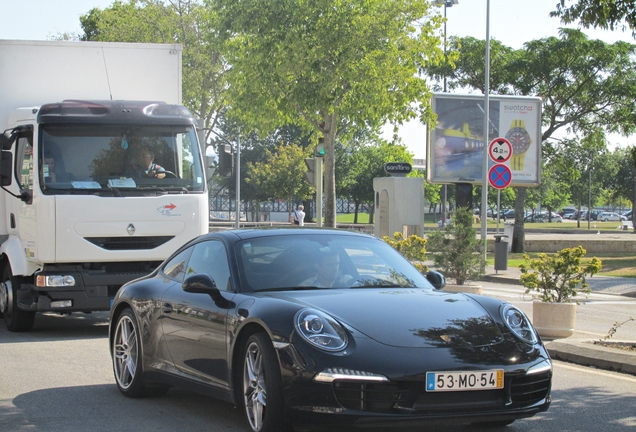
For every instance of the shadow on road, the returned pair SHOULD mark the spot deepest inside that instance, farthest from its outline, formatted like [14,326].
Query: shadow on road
[51,327]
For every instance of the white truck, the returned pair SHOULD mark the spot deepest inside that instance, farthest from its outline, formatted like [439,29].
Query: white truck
[81,211]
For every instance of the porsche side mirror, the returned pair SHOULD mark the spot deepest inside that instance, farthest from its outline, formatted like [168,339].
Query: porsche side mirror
[201,284]
[436,279]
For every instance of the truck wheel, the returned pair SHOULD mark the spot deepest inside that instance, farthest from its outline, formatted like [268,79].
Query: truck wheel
[15,319]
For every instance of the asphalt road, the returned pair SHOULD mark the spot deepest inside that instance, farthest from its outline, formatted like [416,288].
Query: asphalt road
[59,378]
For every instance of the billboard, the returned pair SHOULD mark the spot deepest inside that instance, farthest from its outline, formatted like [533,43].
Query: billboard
[455,147]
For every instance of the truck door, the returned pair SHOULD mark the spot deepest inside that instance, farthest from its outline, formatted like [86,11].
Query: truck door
[20,213]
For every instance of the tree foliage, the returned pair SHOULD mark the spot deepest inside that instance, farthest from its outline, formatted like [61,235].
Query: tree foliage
[456,248]
[584,84]
[175,21]
[279,175]
[360,162]
[605,14]
[331,67]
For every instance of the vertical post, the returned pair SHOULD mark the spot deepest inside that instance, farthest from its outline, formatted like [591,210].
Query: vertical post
[318,181]
[238,180]
[484,182]
[589,195]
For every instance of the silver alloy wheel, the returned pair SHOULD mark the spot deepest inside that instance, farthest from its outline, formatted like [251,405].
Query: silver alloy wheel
[5,289]
[254,390]
[125,352]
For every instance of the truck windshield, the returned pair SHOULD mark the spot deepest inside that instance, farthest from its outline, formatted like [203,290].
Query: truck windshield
[119,159]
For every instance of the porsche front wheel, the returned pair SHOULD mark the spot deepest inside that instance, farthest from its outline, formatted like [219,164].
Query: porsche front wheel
[262,395]
[127,361]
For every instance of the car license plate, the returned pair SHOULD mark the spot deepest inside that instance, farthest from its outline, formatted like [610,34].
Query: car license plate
[464,381]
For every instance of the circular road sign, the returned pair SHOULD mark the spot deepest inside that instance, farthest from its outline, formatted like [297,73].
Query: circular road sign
[499,176]
[500,150]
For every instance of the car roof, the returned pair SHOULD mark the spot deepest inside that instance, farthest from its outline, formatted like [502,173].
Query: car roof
[249,233]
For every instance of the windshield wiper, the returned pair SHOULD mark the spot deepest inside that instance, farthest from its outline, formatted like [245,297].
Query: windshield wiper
[294,288]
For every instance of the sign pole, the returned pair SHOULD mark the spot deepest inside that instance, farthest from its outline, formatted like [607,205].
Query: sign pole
[484,182]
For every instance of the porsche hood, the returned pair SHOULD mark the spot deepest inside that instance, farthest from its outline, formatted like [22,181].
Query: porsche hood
[409,317]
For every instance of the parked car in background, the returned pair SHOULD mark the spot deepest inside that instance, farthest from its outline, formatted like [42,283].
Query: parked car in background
[543,217]
[567,212]
[610,216]
[627,215]
[579,215]
[324,327]
[594,214]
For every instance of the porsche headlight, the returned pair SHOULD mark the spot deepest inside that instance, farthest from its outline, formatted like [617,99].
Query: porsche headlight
[519,323]
[321,330]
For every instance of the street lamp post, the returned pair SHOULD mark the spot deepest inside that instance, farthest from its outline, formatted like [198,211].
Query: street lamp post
[447,4]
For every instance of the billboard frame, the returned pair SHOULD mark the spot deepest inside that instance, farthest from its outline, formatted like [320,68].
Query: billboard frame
[455,146]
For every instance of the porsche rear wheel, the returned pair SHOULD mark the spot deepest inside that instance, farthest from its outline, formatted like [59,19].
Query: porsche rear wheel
[262,395]
[15,319]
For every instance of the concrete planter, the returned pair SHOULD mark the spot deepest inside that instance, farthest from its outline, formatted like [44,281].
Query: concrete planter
[554,320]
[471,289]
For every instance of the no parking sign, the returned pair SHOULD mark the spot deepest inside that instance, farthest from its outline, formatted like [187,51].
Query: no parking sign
[499,176]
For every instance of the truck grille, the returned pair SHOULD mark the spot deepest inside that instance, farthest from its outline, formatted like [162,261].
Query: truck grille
[129,243]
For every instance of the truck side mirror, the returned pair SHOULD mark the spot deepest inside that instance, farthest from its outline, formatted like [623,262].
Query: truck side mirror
[7,139]
[6,168]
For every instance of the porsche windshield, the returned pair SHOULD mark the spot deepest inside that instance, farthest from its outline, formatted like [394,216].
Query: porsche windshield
[119,159]
[321,261]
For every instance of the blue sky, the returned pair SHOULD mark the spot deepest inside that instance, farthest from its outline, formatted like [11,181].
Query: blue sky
[513,22]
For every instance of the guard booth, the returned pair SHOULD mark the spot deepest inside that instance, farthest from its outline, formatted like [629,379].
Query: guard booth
[399,206]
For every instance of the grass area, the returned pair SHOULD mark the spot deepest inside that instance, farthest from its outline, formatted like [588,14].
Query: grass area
[622,265]
[430,221]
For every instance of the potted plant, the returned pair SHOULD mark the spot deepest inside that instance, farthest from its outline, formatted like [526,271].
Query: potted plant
[456,252]
[557,280]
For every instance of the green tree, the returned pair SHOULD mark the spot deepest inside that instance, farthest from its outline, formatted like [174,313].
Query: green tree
[456,248]
[281,174]
[359,163]
[584,84]
[330,67]
[623,184]
[179,21]
[605,14]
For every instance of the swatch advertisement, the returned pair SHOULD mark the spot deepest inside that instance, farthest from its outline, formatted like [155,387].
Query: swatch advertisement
[455,147]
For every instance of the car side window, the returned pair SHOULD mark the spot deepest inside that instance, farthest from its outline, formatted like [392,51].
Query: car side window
[176,267]
[210,257]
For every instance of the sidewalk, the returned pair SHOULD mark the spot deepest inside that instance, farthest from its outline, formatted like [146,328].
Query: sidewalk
[577,350]
[598,284]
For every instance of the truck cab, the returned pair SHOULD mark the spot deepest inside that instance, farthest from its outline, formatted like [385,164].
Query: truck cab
[93,194]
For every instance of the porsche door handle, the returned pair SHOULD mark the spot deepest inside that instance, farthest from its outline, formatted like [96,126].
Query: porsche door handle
[167,308]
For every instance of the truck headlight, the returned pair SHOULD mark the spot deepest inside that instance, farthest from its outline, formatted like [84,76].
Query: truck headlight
[55,281]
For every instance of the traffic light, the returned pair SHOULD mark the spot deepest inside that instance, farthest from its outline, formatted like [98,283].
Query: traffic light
[310,175]
[319,150]
[226,160]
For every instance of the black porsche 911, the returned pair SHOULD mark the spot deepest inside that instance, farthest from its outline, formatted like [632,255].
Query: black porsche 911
[313,327]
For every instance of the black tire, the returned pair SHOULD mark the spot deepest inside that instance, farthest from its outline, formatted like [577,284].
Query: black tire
[15,319]
[261,385]
[127,360]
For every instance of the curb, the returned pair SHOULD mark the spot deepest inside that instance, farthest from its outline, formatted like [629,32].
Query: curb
[586,353]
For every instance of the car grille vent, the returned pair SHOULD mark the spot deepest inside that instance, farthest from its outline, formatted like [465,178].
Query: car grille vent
[129,243]
[529,389]
[373,397]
